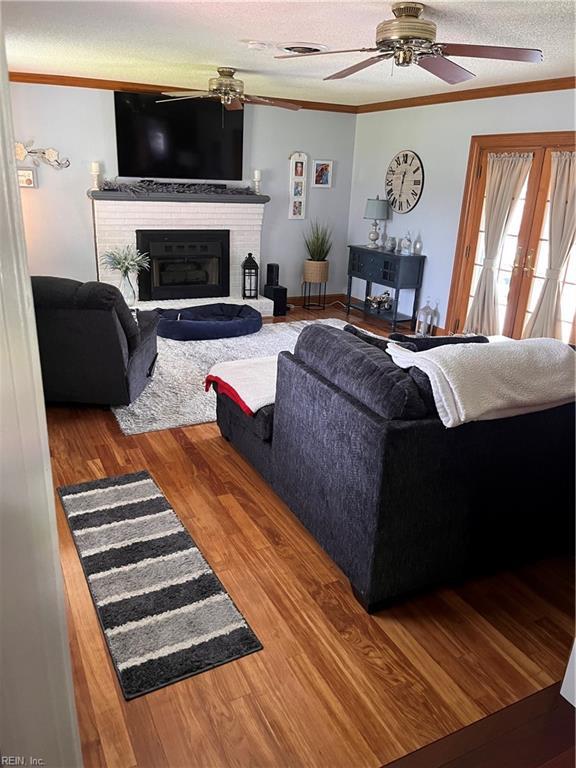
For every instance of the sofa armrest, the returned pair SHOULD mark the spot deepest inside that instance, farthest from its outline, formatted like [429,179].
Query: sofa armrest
[329,447]
[148,323]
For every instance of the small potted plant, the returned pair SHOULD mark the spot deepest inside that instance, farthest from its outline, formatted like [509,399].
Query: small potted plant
[127,260]
[318,244]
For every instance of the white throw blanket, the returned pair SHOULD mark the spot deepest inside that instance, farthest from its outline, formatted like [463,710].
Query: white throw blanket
[251,384]
[473,382]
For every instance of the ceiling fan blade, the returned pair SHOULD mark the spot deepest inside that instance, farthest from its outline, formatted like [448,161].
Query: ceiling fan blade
[272,102]
[191,95]
[186,94]
[533,55]
[234,105]
[445,69]
[325,53]
[356,67]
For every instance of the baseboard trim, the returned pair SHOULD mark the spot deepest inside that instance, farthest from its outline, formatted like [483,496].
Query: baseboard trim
[298,301]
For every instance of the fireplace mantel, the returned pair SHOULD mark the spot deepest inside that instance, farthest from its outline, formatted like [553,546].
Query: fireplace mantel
[179,197]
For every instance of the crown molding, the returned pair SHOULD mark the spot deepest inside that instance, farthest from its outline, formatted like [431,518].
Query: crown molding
[490,92]
[121,85]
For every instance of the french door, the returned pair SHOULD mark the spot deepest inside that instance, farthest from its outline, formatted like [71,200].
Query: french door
[523,259]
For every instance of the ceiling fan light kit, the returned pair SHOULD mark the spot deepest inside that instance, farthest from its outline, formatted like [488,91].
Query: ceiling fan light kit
[229,90]
[409,39]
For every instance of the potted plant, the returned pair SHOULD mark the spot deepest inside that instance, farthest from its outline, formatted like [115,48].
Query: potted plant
[318,244]
[127,260]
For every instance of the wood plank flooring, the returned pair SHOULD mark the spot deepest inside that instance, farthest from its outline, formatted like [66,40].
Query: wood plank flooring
[333,686]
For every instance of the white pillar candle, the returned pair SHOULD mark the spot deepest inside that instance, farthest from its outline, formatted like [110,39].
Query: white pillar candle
[95,166]
[257,175]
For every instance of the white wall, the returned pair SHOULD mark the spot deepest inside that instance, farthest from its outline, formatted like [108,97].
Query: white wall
[271,135]
[440,135]
[79,122]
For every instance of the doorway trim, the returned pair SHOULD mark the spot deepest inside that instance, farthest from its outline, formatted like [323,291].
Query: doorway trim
[471,200]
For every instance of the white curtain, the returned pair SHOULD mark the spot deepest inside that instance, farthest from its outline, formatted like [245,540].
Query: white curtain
[545,319]
[506,175]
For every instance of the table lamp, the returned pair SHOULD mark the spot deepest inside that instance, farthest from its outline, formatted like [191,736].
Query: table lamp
[377,210]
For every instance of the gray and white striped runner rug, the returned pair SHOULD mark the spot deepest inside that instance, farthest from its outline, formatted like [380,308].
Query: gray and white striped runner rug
[164,613]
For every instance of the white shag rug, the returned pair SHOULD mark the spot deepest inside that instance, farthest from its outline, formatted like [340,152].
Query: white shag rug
[175,396]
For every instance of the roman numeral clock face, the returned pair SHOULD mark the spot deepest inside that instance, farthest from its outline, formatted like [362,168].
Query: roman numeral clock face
[404,181]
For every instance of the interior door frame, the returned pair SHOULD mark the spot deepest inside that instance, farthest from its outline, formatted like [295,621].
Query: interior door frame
[471,209]
[37,706]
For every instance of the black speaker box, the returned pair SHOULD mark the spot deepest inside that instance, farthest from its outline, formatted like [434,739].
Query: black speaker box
[279,296]
[272,274]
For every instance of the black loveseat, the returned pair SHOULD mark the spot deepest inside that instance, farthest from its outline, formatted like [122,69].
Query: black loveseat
[354,446]
[91,348]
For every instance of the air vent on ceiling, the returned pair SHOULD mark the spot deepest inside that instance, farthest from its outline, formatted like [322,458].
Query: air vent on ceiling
[302,47]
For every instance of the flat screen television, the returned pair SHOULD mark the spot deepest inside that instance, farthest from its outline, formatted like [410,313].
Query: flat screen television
[191,139]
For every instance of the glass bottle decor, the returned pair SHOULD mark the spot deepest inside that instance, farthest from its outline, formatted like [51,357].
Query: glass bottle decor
[406,244]
[127,289]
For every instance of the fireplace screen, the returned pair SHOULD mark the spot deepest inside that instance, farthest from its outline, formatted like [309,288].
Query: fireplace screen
[184,264]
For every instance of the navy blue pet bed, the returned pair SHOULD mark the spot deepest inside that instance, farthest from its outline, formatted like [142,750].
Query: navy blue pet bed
[212,321]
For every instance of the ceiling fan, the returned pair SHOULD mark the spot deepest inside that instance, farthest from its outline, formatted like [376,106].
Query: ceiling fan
[229,90]
[408,39]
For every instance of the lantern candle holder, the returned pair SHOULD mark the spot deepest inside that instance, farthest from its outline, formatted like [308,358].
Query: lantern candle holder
[250,278]
[425,320]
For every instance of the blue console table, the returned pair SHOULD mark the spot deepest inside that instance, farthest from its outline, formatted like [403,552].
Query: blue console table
[387,268]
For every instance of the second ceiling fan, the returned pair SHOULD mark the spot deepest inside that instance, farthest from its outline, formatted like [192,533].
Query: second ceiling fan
[229,90]
[408,39]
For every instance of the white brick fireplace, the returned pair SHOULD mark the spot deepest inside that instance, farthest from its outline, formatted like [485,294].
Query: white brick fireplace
[116,222]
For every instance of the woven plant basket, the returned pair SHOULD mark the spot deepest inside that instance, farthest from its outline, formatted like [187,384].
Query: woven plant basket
[315,271]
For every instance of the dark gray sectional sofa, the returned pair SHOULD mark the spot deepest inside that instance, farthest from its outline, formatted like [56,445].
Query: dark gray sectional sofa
[354,446]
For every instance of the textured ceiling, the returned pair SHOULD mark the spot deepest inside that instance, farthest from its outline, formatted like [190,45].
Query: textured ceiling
[181,44]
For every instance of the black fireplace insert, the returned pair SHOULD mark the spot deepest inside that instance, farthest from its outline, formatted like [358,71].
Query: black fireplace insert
[184,263]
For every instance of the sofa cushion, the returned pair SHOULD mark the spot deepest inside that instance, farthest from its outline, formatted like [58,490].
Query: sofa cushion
[423,343]
[377,341]
[362,371]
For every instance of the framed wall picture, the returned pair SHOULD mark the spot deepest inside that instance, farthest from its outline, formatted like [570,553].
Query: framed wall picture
[322,174]
[298,174]
[296,209]
[27,178]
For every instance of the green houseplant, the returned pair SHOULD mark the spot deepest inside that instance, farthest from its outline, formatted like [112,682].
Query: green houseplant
[127,260]
[318,244]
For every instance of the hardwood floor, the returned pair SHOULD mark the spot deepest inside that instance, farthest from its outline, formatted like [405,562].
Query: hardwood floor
[333,685]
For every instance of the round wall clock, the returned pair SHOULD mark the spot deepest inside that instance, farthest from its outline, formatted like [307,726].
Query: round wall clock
[404,181]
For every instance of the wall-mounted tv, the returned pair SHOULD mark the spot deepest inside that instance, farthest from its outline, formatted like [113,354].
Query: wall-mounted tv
[191,139]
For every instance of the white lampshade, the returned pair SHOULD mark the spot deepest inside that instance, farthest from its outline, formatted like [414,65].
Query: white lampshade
[376,209]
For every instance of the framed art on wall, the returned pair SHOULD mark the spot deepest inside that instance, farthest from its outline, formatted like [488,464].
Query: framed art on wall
[322,174]
[27,178]
[298,172]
